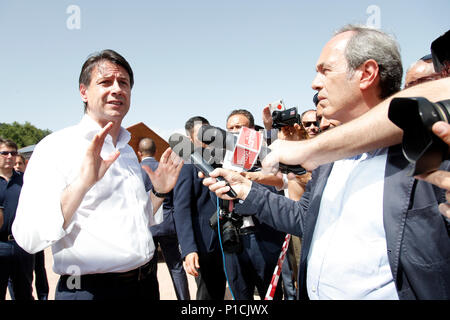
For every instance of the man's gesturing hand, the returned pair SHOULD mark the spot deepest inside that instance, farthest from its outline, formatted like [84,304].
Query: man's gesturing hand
[165,176]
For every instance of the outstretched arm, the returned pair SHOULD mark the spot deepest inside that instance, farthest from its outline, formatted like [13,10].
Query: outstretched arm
[370,131]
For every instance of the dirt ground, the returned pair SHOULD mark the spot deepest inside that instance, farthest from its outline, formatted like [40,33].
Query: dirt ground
[166,289]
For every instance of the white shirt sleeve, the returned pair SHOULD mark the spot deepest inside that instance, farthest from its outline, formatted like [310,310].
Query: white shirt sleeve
[39,220]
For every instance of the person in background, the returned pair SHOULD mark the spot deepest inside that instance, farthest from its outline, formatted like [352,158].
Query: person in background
[193,206]
[310,123]
[421,71]
[253,267]
[20,163]
[164,233]
[15,263]
[41,280]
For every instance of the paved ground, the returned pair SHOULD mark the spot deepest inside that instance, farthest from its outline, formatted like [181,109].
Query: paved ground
[165,282]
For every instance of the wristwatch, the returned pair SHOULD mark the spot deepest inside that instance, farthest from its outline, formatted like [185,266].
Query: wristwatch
[159,195]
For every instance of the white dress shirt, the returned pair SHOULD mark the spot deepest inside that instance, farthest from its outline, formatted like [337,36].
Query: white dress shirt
[109,231]
[348,254]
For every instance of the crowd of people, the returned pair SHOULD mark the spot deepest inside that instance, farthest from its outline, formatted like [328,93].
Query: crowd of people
[356,224]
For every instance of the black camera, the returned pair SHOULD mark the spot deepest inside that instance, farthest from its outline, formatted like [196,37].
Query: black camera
[230,223]
[440,52]
[421,147]
[285,118]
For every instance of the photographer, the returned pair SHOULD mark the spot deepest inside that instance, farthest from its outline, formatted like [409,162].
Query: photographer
[369,231]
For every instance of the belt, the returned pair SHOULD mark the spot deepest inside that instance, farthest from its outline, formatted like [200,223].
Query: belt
[6,238]
[134,275]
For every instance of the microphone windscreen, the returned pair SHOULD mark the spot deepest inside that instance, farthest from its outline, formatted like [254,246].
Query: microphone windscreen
[181,145]
[216,137]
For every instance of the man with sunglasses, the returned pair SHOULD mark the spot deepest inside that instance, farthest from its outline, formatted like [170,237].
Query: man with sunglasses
[15,263]
[309,122]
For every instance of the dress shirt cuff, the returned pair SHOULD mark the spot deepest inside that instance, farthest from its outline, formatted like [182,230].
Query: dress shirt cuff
[285,183]
[158,217]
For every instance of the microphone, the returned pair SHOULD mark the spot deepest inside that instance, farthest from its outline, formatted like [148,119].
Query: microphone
[185,149]
[221,139]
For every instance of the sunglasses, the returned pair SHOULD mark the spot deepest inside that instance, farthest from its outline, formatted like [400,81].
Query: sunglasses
[308,124]
[5,153]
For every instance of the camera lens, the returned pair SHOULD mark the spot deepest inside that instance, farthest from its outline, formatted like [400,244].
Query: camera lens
[415,116]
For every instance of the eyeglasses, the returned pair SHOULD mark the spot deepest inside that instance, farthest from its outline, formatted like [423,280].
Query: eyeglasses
[5,153]
[308,124]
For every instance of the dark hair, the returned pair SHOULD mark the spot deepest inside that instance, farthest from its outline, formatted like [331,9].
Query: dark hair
[246,114]
[191,122]
[368,43]
[94,59]
[22,157]
[9,143]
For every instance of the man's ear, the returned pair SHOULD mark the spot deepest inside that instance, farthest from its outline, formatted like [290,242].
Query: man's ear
[83,93]
[369,74]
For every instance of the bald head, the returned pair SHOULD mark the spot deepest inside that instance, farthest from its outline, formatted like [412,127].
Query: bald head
[419,72]
[147,147]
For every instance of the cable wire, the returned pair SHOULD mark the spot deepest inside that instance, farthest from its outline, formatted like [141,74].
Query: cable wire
[221,248]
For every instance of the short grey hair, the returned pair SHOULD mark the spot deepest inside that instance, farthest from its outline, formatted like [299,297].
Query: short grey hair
[369,43]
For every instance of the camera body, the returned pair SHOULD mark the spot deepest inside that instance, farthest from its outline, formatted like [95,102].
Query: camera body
[284,118]
[230,223]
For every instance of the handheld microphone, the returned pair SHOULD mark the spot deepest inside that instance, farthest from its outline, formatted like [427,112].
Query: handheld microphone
[221,139]
[185,149]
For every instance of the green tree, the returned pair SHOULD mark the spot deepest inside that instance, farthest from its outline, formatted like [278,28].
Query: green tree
[23,134]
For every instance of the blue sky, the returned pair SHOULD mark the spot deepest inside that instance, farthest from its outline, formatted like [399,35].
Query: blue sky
[190,57]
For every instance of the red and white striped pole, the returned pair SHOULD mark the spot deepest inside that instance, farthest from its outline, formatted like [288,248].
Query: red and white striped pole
[276,273]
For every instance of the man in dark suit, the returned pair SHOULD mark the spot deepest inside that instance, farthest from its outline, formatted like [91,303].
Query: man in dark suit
[252,268]
[369,231]
[15,263]
[164,234]
[193,206]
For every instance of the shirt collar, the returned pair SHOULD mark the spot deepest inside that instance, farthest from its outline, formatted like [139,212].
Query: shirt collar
[89,128]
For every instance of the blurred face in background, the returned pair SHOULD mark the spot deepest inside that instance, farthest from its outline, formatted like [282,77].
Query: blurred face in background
[324,123]
[236,122]
[309,121]
[7,157]
[19,164]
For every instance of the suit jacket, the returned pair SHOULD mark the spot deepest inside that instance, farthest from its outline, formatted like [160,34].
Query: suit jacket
[193,206]
[167,226]
[417,235]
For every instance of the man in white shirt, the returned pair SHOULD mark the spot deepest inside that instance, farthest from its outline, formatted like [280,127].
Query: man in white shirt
[369,231]
[92,207]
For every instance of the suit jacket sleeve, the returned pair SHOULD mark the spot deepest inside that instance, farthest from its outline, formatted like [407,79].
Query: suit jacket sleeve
[182,211]
[278,211]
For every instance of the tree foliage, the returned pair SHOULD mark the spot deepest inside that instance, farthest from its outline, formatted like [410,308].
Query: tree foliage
[22,134]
